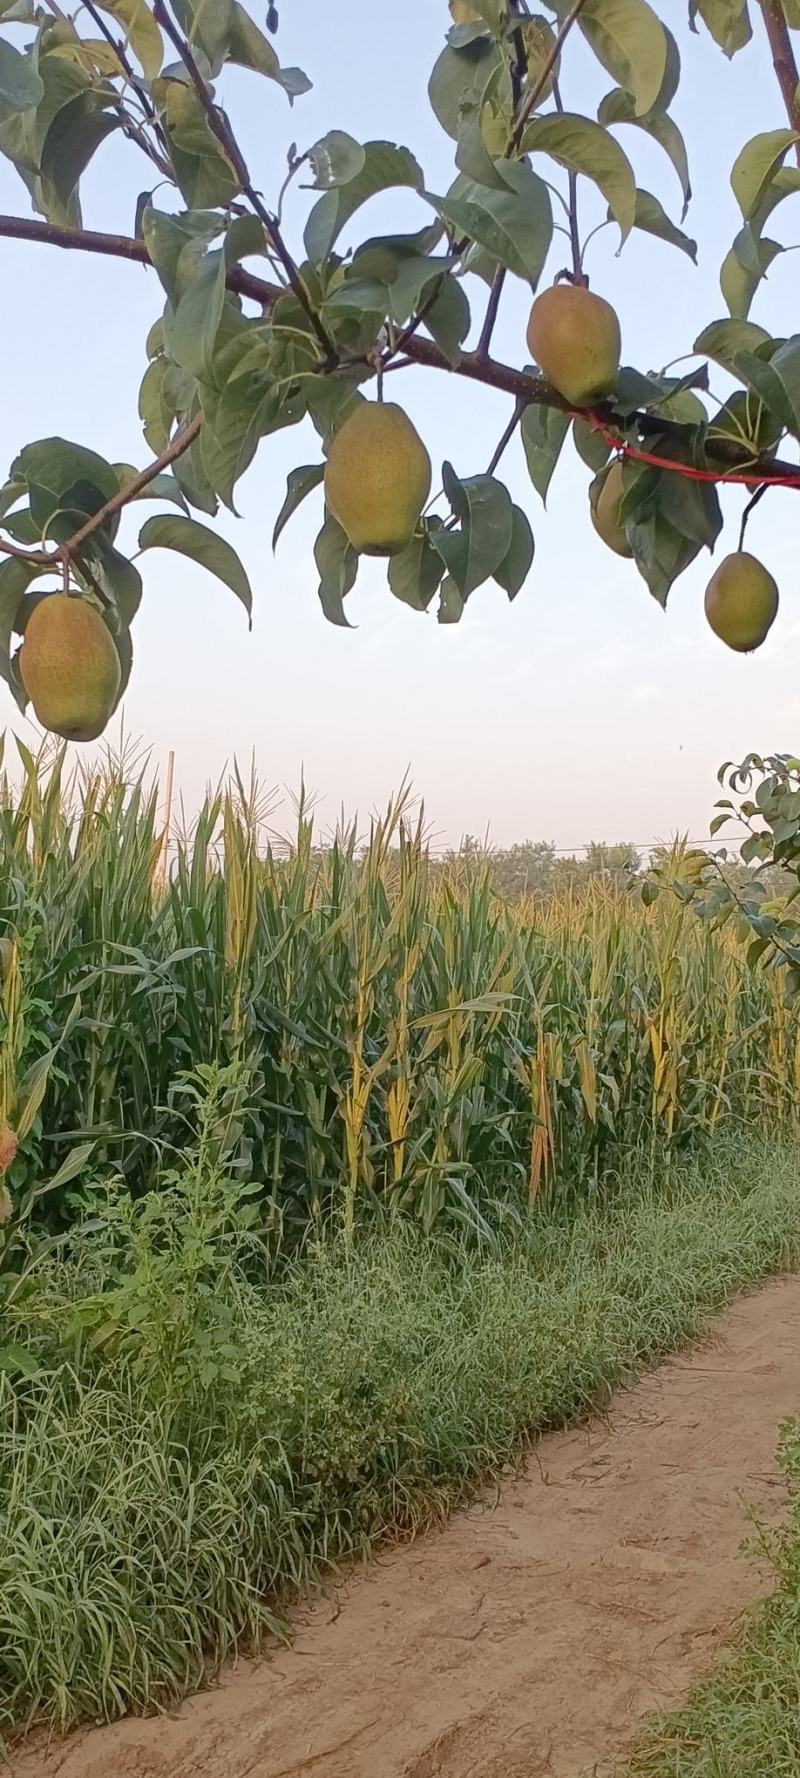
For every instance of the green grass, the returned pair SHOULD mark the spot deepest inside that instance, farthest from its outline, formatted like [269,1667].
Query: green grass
[198,1443]
[744,1722]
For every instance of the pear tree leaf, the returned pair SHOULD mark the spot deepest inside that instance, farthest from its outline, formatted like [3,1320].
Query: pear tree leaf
[618,107]
[629,40]
[723,340]
[755,167]
[543,430]
[141,31]
[384,166]
[515,567]
[652,218]
[727,20]
[585,147]
[299,483]
[201,545]
[193,331]
[514,224]
[335,159]
[337,563]
[416,572]
[483,507]
[21,88]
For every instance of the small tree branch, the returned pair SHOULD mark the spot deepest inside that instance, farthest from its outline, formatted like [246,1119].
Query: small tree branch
[506,437]
[221,128]
[578,276]
[491,312]
[160,157]
[783,59]
[537,86]
[65,551]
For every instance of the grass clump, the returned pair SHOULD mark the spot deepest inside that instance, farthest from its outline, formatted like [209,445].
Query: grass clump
[196,1443]
[744,1722]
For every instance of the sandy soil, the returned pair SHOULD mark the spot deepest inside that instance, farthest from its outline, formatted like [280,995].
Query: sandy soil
[528,1637]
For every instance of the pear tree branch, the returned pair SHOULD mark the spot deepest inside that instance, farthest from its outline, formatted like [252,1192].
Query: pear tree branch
[488,371]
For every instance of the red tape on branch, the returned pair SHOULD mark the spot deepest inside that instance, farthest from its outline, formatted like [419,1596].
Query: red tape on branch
[732,477]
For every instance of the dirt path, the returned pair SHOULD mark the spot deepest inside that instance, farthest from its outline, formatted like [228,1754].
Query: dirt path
[528,1637]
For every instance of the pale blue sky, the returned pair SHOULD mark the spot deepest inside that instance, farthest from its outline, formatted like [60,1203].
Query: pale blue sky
[579,712]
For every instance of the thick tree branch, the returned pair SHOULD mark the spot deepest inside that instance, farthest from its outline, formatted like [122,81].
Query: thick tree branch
[783,59]
[489,371]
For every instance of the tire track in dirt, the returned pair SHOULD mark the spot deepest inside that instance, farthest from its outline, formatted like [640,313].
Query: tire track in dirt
[529,1637]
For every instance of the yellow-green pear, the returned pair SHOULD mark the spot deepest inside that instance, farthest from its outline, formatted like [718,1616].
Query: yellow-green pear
[741,602]
[575,339]
[377,478]
[463,14]
[69,667]
[605,513]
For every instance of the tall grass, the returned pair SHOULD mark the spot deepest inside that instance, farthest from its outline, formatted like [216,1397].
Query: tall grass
[409,1040]
[185,1448]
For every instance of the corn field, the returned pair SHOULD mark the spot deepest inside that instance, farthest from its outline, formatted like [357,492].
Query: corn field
[405,1040]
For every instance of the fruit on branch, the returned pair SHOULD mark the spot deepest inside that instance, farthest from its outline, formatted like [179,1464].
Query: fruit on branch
[462,14]
[69,667]
[741,602]
[574,337]
[605,512]
[377,478]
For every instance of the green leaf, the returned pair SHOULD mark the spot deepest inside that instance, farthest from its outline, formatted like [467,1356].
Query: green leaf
[385,166]
[201,545]
[777,382]
[653,220]
[248,46]
[590,446]
[515,567]
[15,578]
[206,24]
[618,107]
[17,1360]
[244,239]
[661,553]
[64,477]
[177,245]
[20,85]
[473,553]
[629,40]
[141,31]
[448,318]
[727,20]
[72,139]
[336,159]
[299,483]
[543,432]
[451,603]
[193,332]
[514,225]
[337,563]
[205,175]
[755,167]
[162,487]
[739,283]
[585,147]
[416,572]
[724,340]
[101,564]
[459,81]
